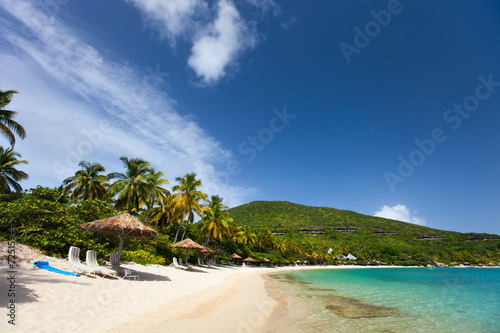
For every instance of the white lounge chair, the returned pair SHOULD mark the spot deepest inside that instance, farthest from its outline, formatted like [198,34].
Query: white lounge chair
[128,274]
[201,264]
[176,264]
[74,262]
[92,262]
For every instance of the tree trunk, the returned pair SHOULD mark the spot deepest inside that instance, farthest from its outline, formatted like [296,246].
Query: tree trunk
[184,233]
[120,247]
[179,229]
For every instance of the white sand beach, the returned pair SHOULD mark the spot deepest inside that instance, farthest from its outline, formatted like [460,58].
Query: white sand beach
[218,299]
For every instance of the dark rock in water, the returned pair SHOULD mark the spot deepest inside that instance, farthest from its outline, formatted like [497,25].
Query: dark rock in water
[354,309]
[320,289]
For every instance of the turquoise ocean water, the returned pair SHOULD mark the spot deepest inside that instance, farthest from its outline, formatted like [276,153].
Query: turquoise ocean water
[390,300]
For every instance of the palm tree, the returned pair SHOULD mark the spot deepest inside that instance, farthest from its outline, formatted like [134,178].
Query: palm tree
[7,124]
[166,212]
[155,180]
[88,183]
[215,220]
[9,175]
[249,236]
[132,186]
[188,200]
[281,244]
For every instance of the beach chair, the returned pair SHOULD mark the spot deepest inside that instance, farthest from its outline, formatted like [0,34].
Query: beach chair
[201,264]
[114,260]
[175,264]
[128,274]
[75,264]
[91,260]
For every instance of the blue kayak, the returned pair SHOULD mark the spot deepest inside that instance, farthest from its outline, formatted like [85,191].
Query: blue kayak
[45,265]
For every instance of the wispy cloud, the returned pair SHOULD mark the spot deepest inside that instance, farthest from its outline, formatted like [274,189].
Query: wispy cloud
[173,18]
[400,213]
[86,88]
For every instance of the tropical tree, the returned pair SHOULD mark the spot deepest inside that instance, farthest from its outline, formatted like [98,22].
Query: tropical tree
[9,175]
[166,212]
[155,180]
[132,186]
[215,219]
[281,244]
[249,237]
[7,123]
[88,183]
[188,200]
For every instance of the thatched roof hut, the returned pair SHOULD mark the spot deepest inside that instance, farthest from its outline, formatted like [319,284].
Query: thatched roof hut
[188,244]
[124,225]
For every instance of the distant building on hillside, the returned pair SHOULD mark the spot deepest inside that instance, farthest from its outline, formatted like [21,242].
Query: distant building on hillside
[384,233]
[484,239]
[312,232]
[430,237]
[278,233]
[346,230]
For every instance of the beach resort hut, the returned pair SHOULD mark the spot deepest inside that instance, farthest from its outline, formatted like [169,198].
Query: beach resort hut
[249,260]
[236,259]
[124,225]
[351,257]
[188,244]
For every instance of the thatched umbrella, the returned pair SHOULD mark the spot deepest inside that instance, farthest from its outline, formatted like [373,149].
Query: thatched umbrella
[124,225]
[188,244]
[249,260]
[236,258]
[219,252]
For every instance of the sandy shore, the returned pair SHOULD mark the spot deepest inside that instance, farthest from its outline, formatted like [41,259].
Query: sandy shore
[218,299]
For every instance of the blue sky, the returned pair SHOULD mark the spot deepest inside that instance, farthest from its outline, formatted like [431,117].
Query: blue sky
[387,108]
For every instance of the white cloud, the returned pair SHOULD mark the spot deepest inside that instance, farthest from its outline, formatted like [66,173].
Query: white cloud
[67,89]
[218,35]
[399,213]
[220,44]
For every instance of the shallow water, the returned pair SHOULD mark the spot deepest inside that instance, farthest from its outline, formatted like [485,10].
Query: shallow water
[388,300]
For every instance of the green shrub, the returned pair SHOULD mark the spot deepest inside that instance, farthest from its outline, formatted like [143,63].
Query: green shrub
[142,257]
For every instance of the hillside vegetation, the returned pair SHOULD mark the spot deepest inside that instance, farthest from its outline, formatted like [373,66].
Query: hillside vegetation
[403,245]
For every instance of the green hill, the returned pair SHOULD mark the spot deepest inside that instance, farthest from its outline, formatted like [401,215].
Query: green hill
[364,233]
[280,215]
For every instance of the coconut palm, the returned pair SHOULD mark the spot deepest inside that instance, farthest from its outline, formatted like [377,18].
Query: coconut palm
[249,236]
[88,183]
[156,181]
[7,124]
[9,175]
[281,244]
[215,220]
[132,186]
[166,212]
[188,200]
